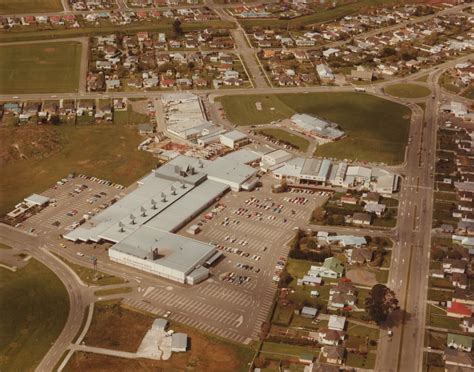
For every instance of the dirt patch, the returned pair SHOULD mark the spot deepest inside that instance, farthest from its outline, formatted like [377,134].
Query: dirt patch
[29,142]
[114,325]
[117,328]
[362,276]
[49,50]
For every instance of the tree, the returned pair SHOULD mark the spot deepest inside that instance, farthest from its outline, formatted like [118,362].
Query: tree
[55,120]
[380,303]
[177,29]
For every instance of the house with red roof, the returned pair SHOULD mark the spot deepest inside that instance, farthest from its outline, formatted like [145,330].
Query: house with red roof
[458,310]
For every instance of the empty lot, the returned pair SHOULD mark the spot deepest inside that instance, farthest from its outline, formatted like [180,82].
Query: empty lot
[52,67]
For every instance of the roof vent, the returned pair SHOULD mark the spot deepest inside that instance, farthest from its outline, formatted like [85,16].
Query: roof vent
[163,197]
[173,190]
[143,210]
[132,219]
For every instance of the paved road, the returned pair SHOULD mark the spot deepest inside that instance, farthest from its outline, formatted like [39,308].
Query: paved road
[410,257]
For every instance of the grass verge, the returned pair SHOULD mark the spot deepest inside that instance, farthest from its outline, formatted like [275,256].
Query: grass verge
[33,312]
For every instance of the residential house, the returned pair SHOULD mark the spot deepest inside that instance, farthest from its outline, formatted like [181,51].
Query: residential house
[459,342]
[334,354]
[361,219]
[451,265]
[458,310]
[331,268]
[457,358]
[359,256]
[332,337]
[336,322]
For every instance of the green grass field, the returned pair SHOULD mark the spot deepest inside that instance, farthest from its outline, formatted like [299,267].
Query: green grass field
[105,151]
[33,311]
[40,68]
[283,135]
[377,129]
[407,90]
[31,6]
[319,16]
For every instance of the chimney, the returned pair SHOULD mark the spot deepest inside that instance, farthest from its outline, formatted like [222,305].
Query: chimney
[155,254]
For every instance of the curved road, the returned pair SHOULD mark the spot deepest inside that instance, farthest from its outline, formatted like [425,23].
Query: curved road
[79,295]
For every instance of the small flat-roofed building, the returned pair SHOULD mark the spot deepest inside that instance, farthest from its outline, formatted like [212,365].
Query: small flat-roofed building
[179,342]
[308,312]
[39,200]
[233,139]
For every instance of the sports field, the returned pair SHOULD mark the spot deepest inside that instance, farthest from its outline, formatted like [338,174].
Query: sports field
[407,90]
[377,129]
[105,151]
[30,6]
[51,67]
[33,312]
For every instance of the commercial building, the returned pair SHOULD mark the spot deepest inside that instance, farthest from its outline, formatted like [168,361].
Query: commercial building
[326,172]
[233,139]
[186,118]
[316,127]
[142,225]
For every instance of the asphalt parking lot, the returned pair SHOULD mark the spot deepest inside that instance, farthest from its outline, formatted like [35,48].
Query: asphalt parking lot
[72,200]
[251,231]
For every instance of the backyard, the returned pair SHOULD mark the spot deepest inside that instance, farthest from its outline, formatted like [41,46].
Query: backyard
[36,68]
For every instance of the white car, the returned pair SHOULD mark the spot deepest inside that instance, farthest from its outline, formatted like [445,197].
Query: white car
[80,254]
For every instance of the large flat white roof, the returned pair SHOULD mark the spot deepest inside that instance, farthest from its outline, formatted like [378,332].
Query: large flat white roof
[175,251]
